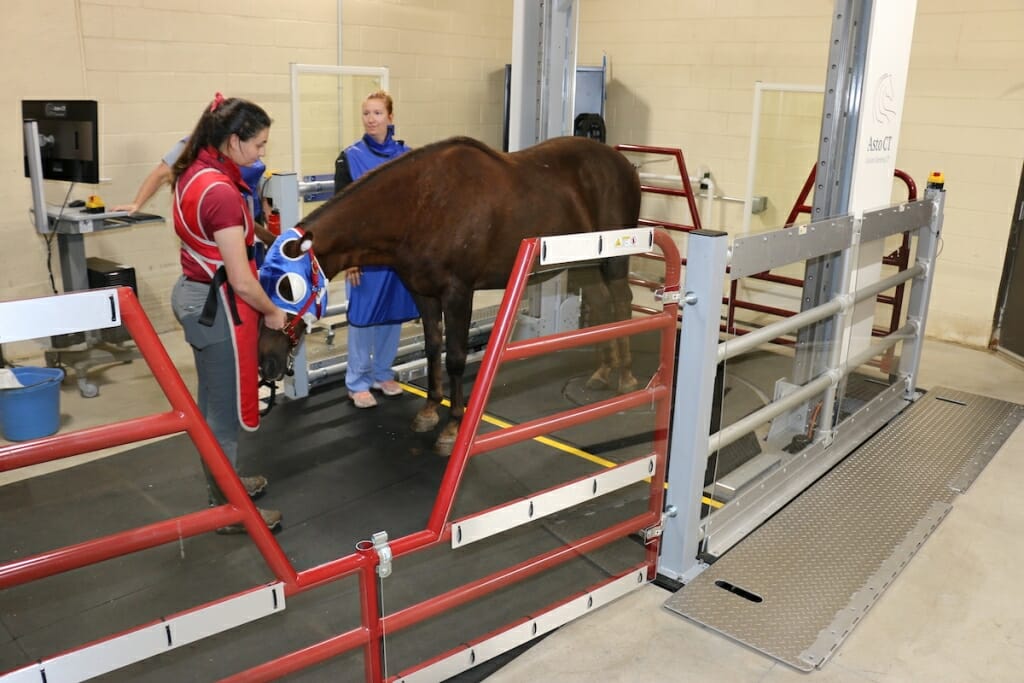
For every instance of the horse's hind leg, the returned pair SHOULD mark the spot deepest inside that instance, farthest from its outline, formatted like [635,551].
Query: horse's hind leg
[430,313]
[457,313]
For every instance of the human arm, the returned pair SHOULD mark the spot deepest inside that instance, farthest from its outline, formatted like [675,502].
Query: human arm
[158,176]
[231,243]
[264,235]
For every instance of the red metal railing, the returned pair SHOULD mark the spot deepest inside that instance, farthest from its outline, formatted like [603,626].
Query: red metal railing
[898,258]
[686,191]
[184,416]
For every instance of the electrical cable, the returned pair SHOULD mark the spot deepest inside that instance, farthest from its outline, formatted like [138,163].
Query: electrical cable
[49,238]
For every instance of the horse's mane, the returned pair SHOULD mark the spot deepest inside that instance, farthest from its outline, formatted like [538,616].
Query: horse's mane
[372,178]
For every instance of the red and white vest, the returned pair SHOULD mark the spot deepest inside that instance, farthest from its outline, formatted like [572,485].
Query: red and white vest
[201,249]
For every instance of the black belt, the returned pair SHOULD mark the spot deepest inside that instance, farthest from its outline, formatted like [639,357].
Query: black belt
[209,313]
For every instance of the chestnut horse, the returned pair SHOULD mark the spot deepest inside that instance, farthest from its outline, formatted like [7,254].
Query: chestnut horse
[449,218]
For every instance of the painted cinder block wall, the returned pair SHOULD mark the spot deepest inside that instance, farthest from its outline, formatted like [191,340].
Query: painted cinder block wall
[681,74]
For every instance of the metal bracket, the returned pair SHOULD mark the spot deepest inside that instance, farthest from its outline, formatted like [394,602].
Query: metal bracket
[669,297]
[655,530]
[652,532]
[380,544]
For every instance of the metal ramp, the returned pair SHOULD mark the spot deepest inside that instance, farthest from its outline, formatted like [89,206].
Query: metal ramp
[796,587]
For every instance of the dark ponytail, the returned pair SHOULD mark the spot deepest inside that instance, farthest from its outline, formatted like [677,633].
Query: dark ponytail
[220,119]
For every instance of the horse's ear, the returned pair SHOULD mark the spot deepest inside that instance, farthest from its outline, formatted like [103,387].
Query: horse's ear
[294,248]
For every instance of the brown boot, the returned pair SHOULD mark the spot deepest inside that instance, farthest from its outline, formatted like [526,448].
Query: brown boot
[255,485]
[272,518]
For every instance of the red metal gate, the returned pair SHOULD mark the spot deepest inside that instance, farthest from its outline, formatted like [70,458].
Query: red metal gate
[366,561]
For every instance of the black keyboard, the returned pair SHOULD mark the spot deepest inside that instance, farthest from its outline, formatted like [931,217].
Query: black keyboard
[141,217]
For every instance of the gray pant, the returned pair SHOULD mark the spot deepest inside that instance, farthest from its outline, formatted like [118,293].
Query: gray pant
[214,356]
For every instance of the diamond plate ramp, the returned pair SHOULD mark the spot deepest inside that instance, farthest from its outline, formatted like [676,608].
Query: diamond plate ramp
[796,586]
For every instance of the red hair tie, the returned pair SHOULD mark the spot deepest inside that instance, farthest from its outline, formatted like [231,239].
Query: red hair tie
[218,99]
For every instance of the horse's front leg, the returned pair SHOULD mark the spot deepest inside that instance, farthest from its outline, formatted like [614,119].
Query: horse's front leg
[430,313]
[458,310]
[622,305]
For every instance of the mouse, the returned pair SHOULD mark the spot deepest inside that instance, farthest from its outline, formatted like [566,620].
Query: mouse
[77,204]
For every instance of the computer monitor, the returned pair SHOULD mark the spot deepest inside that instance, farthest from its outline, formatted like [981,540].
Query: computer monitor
[68,138]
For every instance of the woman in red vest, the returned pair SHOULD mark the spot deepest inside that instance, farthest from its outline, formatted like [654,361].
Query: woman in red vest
[218,299]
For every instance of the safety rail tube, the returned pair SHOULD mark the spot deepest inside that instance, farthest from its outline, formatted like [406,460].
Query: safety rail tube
[292,662]
[592,335]
[489,584]
[740,428]
[686,191]
[99,549]
[569,418]
[370,610]
[740,345]
[50,448]
[502,332]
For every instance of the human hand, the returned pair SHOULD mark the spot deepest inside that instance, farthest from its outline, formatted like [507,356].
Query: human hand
[276,320]
[130,208]
[352,275]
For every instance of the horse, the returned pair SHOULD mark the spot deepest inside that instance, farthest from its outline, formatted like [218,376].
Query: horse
[449,218]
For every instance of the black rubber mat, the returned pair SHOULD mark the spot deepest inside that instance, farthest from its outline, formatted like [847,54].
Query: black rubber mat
[338,474]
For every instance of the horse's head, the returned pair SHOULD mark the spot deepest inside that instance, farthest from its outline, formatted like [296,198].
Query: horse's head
[292,278]
[277,348]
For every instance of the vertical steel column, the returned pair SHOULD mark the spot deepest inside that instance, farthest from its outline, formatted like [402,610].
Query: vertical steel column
[706,258]
[921,290]
[844,83]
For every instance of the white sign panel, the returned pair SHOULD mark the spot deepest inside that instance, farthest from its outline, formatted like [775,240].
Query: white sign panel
[92,309]
[881,106]
[878,133]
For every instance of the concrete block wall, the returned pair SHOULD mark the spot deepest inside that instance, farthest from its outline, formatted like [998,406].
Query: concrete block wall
[154,64]
[682,74]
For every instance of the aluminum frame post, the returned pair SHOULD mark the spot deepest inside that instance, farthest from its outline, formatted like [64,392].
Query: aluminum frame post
[706,259]
[844,83]
[921,289]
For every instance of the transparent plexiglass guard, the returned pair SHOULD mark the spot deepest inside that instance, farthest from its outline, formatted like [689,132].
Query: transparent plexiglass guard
[327,117]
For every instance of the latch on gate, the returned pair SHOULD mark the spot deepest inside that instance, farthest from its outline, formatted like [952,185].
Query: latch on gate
[380,544]
[670,296]
[655,530]
[652,532]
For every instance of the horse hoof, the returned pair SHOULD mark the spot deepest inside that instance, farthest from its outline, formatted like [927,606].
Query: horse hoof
[425,423]
[596,383]
[629,385]
[446,439]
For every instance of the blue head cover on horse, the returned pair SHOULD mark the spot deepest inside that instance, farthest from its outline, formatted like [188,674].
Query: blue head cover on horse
[292,278]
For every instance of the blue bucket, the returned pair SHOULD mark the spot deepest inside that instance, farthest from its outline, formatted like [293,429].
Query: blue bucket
[33,410]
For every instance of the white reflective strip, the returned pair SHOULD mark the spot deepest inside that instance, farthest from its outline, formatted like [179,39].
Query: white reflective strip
[92,309]
[470,529]
[29,674]
[591,245]
[155,639]
[515,636]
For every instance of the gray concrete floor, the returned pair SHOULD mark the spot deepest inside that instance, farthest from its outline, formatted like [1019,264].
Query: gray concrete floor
[956,613]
